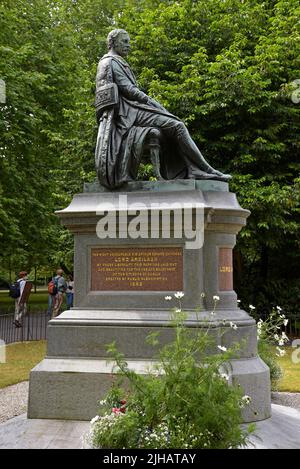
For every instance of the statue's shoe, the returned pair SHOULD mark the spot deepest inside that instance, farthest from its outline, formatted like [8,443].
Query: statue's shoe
[225,177]
[214,176]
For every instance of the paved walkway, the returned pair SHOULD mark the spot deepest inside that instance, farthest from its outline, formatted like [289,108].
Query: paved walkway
[282,431]
[23,433]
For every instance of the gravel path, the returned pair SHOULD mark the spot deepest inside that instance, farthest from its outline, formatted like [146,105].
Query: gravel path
[290,399]
[13,400]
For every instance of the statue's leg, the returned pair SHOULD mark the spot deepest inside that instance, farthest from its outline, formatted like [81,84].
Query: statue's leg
[154,136]
[193,156]
[176,130]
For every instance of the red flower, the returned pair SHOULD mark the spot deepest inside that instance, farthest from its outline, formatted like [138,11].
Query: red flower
[116,410]
[123,402]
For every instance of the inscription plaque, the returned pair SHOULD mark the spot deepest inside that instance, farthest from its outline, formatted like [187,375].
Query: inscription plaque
[225,269]
[144,269]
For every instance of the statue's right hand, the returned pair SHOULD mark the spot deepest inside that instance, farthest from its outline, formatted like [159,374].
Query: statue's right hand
[152,102]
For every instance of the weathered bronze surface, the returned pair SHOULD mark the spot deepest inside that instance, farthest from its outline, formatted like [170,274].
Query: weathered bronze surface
[127,117]
[145,269]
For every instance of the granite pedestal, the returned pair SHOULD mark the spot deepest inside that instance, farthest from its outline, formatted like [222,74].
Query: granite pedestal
[128,258]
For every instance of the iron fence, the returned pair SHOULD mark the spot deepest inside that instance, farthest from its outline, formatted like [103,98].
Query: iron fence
[34,327]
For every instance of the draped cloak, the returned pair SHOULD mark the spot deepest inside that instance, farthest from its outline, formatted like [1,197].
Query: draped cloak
[120,140]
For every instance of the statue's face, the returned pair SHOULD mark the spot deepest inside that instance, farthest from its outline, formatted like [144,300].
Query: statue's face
[122,44]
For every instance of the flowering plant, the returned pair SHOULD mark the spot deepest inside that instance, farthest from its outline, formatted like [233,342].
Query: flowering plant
[271,339]
[184,401]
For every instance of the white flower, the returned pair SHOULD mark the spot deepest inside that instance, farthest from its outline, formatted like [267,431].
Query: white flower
[233,325]
[224,376]
[276,336]
[179,295]
[281,342]
[280,353]
[238,301]
[216,298]
[202,295]
[285,322]
[168,298]
[221,347]
[284,336]
[178,310]
[246,399]
[278,308]
[95,419]
[102,402]
[251,307]
[282,316]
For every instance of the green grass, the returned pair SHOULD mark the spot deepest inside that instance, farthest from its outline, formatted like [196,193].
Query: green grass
[291,377]
[37,301]
[21,357]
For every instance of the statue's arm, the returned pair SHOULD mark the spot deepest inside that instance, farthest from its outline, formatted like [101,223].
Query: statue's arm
[126,87]
[130,90]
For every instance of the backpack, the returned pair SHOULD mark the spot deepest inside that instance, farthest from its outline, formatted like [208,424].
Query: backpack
[14,290]
[52,287]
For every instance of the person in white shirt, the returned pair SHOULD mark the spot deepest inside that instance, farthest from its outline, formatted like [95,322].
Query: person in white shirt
[20,307]
[70,292]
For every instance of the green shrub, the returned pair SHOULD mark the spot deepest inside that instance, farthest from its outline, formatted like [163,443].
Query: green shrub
[183,402]
[271,339]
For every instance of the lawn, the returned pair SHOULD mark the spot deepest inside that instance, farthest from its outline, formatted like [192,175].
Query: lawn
[21,357]
[37,302]
[291,378]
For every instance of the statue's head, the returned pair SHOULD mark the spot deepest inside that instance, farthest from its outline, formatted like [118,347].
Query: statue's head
[119,41]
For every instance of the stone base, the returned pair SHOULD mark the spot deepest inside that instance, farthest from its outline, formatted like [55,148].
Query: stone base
[123,299]
[71,389]
[64,387]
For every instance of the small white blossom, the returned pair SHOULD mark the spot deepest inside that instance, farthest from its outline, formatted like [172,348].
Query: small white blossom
[238,301]
[276,336]
[251,307]
[95,419]
[224,376]
[284,337]
[202,295]
[285,322]
[245,400]
[280,353]
[281,342]
[278,308]
[179,295]
[178,310]
[282,316]
[233,325]
[168,298]
[216,298]
[221,347]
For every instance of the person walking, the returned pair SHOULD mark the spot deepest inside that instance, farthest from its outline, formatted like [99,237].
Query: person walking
[61,285]
[20,306]
[70,292]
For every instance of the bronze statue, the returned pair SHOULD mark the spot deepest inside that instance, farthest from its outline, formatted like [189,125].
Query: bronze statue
[128,120]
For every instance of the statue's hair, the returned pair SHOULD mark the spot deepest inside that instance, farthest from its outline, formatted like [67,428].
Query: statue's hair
[112,36]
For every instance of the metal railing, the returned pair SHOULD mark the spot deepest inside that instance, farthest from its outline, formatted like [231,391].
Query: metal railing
[34,327]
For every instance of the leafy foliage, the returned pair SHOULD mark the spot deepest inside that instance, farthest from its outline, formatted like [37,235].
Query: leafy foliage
[229,69]
[183,402]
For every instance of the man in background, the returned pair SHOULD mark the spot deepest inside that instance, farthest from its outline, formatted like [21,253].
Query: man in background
[61,289]
[20,305]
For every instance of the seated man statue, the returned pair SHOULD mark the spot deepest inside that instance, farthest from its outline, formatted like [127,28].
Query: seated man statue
[127,117]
